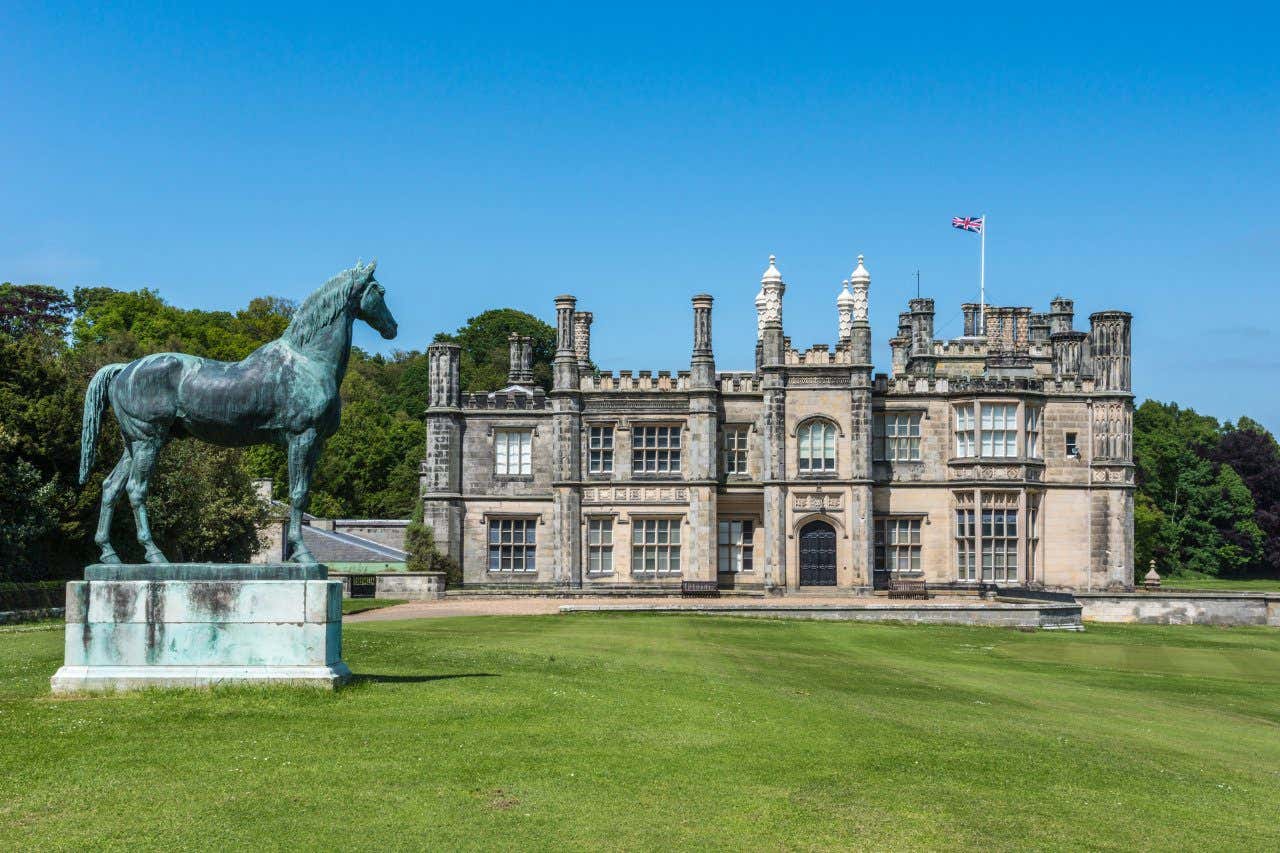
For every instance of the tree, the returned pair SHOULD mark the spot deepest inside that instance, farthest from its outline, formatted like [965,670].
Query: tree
[486,349]
[33,309]
[1252,452]
[420,543]
[1191,513]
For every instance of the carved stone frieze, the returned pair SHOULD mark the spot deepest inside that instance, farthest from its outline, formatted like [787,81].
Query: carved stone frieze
[635,494]
[813,501]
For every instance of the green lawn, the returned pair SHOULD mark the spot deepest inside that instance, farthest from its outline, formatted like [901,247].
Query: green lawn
[360,605]
[670,732]
[1222,584]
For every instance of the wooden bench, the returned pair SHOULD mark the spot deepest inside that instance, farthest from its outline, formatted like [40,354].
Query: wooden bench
[907,588]
[699,589]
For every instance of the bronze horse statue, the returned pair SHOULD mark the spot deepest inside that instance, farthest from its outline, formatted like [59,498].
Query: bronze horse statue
[284,392]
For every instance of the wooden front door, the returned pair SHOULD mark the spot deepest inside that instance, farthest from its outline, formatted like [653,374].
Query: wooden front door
[817,554]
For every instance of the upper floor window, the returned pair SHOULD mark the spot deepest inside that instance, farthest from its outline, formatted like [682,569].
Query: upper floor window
[897,436]
[999,429]
[818,446]
[655,450]
[512,449]
[1033,432]
[965,444]
[1073,445]
[735,450]
[600,450]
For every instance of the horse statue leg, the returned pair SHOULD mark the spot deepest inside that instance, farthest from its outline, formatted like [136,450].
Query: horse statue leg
[144,460]
[304,451]
[111,488]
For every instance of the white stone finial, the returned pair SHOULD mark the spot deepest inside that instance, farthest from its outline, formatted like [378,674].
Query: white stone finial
[772,273]
[861,281]
[769,300]
[860,273]
[844,308]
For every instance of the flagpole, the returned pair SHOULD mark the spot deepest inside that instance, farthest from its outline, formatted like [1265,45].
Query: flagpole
[982,278]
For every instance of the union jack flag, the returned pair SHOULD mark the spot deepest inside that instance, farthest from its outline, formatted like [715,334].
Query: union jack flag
[967,223]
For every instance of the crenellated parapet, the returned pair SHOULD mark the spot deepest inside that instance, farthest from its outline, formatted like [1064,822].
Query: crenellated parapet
[630,380]
[515,400]
[820,354]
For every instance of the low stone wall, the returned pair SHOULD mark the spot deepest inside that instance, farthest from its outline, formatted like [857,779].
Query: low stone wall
[1182,608]
[14,617]
[413,586]
[1002,614]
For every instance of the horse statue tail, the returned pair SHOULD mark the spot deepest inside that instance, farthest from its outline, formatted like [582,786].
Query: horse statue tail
[95,399]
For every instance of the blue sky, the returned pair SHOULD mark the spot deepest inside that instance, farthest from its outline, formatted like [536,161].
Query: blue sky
[635,155]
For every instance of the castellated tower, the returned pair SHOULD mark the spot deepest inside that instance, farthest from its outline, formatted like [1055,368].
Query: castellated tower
[1110,348]
[441,471]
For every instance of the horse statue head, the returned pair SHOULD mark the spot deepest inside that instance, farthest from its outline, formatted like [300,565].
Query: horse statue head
[373,307]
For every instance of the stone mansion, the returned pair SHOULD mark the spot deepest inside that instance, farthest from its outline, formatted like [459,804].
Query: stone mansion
[1003,456]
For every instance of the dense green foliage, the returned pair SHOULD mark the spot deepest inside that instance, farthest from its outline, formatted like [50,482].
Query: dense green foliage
[1195,512]
[420,543]
[635,732]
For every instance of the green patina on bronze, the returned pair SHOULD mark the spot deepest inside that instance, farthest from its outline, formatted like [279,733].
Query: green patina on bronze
[285,392]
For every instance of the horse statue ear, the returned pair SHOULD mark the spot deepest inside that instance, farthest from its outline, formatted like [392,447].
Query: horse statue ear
[369,269]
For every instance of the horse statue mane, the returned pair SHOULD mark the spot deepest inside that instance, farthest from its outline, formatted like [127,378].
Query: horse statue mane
[319,309]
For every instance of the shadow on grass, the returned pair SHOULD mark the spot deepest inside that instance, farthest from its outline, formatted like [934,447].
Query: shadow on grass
[364,678]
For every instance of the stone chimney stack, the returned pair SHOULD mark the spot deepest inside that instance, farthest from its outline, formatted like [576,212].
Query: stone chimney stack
[971,312]
[703,363]
[520,359]
[564,365]
[442,372]
[921,326]
[769,313]
[1061,315]
[582,338]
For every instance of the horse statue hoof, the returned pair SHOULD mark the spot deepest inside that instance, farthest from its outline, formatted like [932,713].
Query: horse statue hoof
[155,556]
[109,556]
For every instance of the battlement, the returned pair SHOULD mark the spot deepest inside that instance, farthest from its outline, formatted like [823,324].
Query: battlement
[739,382]
[515,400]
[628,380]
[819,354]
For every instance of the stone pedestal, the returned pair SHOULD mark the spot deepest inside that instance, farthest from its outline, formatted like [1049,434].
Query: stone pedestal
[197,625]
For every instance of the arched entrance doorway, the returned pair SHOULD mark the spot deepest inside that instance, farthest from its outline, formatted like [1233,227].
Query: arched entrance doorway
[817,554]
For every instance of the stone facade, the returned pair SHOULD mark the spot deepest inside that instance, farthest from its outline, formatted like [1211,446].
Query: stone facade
[1002,456]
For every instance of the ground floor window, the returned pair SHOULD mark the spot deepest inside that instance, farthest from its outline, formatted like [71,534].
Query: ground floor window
[655,546]
[999,536]
[897,544]
[966,545]
[512,545]
[1033,534]
[600,546]
[735,546]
